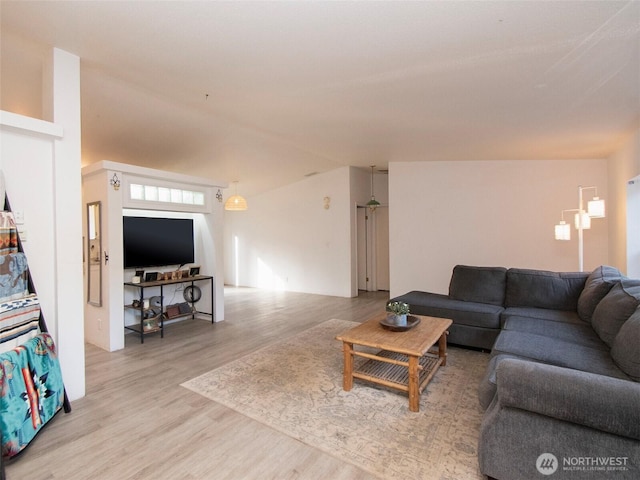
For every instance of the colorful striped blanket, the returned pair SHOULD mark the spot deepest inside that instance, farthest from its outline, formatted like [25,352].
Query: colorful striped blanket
[31,391]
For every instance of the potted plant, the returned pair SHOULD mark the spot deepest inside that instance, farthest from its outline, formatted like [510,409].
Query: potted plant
[397,313]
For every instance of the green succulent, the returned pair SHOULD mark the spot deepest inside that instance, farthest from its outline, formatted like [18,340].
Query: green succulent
[399,308]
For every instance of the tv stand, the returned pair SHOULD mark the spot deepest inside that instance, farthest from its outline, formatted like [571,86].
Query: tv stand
[151,327]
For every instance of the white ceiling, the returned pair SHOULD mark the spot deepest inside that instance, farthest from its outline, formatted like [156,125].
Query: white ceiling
[266,92]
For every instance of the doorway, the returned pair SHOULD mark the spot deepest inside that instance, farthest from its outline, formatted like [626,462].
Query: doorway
[373,249]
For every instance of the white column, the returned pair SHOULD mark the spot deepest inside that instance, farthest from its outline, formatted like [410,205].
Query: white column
[67,183]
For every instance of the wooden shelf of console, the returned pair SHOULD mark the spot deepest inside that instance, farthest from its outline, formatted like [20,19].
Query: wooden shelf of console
[161,284]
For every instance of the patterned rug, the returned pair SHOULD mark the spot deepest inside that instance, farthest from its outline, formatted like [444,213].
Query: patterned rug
[295,387]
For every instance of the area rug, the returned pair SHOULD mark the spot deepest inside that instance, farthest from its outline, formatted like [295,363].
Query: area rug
[295,387]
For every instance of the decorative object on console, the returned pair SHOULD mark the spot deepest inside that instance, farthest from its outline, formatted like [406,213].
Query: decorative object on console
[151,323]
[172,311]
[155,301]
[595,209]
[178,309]
[137,278]
[193,271]
[192,293]
[151,276]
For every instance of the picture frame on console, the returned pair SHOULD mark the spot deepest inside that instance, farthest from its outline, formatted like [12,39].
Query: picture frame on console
[138,277]
[193,271]
[151,276]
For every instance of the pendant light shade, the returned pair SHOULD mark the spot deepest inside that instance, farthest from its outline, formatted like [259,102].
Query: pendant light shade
[563,231]
[586,220]
[236,203]
[595,208]
[373,203]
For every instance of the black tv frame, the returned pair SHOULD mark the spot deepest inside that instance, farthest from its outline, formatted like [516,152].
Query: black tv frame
[157,241]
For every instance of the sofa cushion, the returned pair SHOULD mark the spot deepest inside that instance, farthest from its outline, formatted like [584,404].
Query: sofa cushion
[466,313]
[564,316]
[478,284]
[615,308]
[597,286]
[580,333]
[472,336]
[543,289]
[557,352]
[625,350]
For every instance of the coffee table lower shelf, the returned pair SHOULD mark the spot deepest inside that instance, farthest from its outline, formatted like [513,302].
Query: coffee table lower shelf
[391,369]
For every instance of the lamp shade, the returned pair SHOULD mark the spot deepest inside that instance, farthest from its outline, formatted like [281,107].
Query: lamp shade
[236,203]
[563,231]
[586,220]
[595,208]
[373,204]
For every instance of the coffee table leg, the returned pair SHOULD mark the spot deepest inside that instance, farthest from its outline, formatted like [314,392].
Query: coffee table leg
[347,381]
[442,348]
[414,393]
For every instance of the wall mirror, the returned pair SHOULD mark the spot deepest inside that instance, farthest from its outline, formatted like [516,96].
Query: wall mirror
[94,249]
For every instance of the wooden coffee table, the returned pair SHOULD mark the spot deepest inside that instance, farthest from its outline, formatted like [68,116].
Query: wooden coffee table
[404,362]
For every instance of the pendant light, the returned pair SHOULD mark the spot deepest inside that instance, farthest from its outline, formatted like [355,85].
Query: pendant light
[236,203]
[373,203]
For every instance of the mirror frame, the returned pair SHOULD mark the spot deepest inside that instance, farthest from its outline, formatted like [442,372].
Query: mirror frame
[94,242]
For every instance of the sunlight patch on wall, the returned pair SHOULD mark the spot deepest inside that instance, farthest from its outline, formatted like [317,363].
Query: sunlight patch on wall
[235,261]
[267,279]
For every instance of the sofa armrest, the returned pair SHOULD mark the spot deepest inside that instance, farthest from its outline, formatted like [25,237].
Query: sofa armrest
[596,401]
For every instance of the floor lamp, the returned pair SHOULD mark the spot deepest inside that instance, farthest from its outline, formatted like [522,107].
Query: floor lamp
[595,209]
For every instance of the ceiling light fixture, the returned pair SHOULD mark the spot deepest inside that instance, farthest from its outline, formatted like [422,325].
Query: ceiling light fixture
[373,203]
[236,203]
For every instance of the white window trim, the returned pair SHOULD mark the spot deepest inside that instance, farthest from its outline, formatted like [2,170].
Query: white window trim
[129,202]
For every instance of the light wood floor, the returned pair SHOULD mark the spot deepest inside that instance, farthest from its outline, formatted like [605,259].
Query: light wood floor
[136,422]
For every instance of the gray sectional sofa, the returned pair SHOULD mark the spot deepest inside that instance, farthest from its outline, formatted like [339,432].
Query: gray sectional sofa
[562,389]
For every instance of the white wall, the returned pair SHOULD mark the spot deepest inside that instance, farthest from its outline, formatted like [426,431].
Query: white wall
[623,166]
[287,240]
[103,324]
[486,213]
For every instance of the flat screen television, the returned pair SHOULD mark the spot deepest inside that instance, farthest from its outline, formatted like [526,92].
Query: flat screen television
[154,242]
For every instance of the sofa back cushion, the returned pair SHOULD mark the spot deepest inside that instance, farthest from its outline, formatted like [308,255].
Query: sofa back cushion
[625,350]
[615,308]
[478,284]
[598,285]
[543,289]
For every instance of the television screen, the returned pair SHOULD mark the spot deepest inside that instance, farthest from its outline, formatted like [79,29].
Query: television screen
[154,242]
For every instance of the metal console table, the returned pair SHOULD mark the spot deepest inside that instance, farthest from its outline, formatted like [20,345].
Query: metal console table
[161,283]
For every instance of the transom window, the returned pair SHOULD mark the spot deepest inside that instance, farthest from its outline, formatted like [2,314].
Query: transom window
[152,193]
